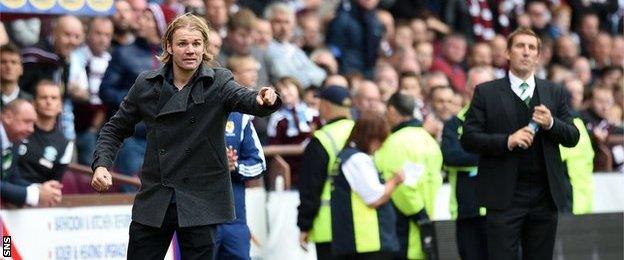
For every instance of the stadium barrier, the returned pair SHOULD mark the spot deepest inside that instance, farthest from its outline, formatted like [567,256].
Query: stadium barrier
[95,225]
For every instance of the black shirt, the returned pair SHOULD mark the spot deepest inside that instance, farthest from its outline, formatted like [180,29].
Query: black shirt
[44,156]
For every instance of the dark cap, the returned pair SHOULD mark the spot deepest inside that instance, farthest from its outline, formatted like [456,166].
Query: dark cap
[404,104]
[337,95]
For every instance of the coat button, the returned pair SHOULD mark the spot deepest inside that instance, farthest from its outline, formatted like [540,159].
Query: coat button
[192,120]
[162,151]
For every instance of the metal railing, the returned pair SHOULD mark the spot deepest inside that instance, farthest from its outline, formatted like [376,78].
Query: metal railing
[276,166]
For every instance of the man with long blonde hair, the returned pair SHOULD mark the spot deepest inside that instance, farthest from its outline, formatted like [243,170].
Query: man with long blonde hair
[185,181]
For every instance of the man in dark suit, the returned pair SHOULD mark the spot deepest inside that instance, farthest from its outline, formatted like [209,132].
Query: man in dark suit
[18,120]
[185,181]
[516,124]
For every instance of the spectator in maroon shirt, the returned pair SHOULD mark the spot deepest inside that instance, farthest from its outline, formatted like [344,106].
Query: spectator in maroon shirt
[453,53]
[294,123]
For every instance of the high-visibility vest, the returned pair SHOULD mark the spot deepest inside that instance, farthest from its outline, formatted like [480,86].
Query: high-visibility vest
[332,137]
[580,163]
[357,228]
[412,144]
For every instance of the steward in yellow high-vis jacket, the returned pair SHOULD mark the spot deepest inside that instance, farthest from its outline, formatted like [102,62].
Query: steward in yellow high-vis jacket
[363,219]
[414,199]
[314,216]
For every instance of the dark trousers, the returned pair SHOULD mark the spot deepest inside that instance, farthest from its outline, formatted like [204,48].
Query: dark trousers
[148,242]
[529,223]
[367,256]
[324,251]
[471,238]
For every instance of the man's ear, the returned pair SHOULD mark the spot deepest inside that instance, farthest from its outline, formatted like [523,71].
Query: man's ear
[7,117]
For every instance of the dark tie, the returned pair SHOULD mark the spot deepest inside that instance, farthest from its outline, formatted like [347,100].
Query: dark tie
[524,87]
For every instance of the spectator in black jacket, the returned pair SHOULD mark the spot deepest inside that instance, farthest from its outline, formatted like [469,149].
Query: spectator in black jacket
[44,155]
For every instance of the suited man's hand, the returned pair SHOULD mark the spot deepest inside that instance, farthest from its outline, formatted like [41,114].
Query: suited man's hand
[542,117]
[266,96]
[50,193]
[102,179]
[523,138]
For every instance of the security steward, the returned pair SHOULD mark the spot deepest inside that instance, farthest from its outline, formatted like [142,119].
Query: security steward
[314,216]
[461,166]
[414,200]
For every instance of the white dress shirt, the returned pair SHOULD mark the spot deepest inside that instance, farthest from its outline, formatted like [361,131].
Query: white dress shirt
[11,96]
[515,86]
[516,82]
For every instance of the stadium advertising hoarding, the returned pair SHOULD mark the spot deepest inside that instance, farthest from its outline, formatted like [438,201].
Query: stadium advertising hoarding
[96,232]
[58,7]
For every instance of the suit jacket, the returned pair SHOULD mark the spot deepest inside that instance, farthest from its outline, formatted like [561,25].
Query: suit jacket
[185,151]
[12,185]
[491,119]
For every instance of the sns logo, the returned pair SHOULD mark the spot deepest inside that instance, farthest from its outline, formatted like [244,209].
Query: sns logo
[6,246]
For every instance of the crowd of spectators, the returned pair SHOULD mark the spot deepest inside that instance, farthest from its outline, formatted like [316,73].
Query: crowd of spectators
[374,48]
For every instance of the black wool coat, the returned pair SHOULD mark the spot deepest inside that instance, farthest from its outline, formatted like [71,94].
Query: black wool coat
[185,151]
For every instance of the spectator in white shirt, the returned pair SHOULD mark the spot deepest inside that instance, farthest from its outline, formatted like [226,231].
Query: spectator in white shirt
[359,169]
[287,59]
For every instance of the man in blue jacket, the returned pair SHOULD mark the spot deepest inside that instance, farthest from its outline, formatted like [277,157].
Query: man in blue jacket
[246,161]
[354,37]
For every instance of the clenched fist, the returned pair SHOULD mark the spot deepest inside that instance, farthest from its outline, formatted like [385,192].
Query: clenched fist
[102,179]
[522,138]
[266,96]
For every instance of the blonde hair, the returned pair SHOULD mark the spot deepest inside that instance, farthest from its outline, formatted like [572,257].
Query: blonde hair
[189,21]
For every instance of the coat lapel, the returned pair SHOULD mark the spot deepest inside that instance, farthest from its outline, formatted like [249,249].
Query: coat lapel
[205,77]
[197,93]
[177,103]
[507,96]
[545,95]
